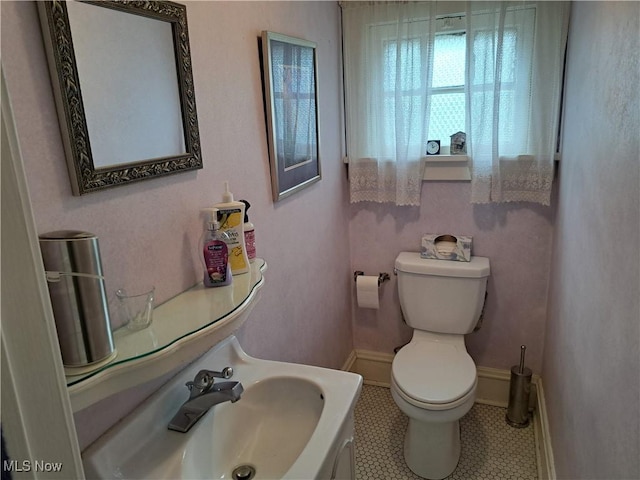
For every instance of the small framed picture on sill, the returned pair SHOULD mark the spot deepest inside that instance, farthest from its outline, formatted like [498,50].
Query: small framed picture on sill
[458,143]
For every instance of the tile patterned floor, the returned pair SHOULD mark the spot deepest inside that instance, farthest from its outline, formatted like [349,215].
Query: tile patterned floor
[490,448]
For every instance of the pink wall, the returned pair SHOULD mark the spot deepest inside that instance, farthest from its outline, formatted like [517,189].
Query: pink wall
[515,237]
[312,241]
[592,352]
[149,231]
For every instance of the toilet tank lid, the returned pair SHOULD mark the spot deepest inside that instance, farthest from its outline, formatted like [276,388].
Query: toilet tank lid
[412,262]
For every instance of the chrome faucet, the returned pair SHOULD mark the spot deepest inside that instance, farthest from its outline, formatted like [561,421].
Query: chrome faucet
[205,393]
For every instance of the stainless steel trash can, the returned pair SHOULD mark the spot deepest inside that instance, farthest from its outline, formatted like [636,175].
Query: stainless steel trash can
[78,297]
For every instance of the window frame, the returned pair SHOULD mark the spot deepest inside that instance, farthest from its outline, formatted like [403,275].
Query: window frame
[449,24]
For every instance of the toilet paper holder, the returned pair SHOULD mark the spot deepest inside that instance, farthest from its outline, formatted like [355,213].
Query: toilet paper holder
[382,277]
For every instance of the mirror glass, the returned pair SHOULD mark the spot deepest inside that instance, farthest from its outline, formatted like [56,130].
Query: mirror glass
[122,79]
[130,60]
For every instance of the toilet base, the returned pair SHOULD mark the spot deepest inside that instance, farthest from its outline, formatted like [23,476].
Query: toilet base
[432,441]
[432,450]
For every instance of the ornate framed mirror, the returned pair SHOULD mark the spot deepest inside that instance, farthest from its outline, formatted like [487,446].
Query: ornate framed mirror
[123,85]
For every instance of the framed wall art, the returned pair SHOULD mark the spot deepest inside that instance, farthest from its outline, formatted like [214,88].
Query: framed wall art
[290,79]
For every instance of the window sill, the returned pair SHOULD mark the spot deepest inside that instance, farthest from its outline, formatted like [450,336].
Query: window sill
[447,167]
[443,168]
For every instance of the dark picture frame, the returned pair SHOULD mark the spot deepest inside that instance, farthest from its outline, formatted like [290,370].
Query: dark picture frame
[290,76]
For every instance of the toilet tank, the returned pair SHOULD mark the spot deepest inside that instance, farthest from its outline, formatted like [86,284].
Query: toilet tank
[441,296]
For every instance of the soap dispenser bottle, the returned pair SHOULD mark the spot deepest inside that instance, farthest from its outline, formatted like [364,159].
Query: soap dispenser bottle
[215,253]
[231,218]
[249,233]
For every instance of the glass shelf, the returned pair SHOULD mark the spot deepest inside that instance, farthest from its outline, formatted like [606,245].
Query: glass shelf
[178,325]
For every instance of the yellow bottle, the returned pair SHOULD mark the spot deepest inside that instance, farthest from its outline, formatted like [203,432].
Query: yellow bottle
[231,219]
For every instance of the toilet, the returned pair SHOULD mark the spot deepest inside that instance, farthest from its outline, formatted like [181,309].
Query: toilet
[433,378]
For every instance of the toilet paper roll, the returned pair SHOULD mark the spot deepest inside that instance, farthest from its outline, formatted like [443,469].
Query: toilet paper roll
[367,291]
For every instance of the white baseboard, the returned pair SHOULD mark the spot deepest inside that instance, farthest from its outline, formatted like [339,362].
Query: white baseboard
[349,362]
[493,389]
[375,367]
[546,464]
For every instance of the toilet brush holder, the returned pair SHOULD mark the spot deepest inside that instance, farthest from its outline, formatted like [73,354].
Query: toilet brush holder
[519,390]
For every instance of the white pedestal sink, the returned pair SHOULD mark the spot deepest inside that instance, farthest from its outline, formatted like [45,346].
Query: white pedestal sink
[292,422]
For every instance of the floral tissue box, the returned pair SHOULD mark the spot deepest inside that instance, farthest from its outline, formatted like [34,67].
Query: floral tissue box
[446,247]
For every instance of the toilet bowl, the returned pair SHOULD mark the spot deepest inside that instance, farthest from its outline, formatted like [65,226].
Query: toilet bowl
[433,377]
[433,382]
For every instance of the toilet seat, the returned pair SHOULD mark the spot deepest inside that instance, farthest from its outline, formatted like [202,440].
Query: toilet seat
[434,374]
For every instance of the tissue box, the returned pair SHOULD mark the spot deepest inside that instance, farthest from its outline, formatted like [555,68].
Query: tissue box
[446,247]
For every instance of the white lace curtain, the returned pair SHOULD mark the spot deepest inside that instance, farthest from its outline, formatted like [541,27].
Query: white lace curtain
[513,72]
[515,54]
[387,45]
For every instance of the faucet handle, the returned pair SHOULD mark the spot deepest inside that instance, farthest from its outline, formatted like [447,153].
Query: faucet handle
[227,372]
[201,382]
[204,380]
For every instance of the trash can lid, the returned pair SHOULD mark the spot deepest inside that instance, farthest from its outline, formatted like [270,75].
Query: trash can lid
[66,235]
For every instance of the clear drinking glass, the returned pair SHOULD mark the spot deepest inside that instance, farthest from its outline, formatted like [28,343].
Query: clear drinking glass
[136,309]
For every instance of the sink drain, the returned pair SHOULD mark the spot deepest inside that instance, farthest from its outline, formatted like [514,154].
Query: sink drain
[243,472]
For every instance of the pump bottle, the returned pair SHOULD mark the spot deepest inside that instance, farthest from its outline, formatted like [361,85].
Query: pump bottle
[231,217]
[215,253]
[249,234]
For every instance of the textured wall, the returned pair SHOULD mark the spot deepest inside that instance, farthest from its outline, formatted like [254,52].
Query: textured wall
[149,231]
[516,238]
[591,355]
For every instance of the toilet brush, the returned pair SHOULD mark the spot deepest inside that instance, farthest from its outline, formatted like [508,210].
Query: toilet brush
[519,389]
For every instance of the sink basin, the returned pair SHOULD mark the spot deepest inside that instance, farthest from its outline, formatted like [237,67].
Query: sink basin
[292,422]
[267,428]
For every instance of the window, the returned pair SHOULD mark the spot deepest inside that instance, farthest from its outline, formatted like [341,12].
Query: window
[418,71]
[447,108]
[447,113]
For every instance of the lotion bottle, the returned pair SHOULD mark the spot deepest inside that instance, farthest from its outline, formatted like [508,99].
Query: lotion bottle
[215,253]
[231,218]
[249,233]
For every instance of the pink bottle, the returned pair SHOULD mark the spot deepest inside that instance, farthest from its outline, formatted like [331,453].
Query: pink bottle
[215,254]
